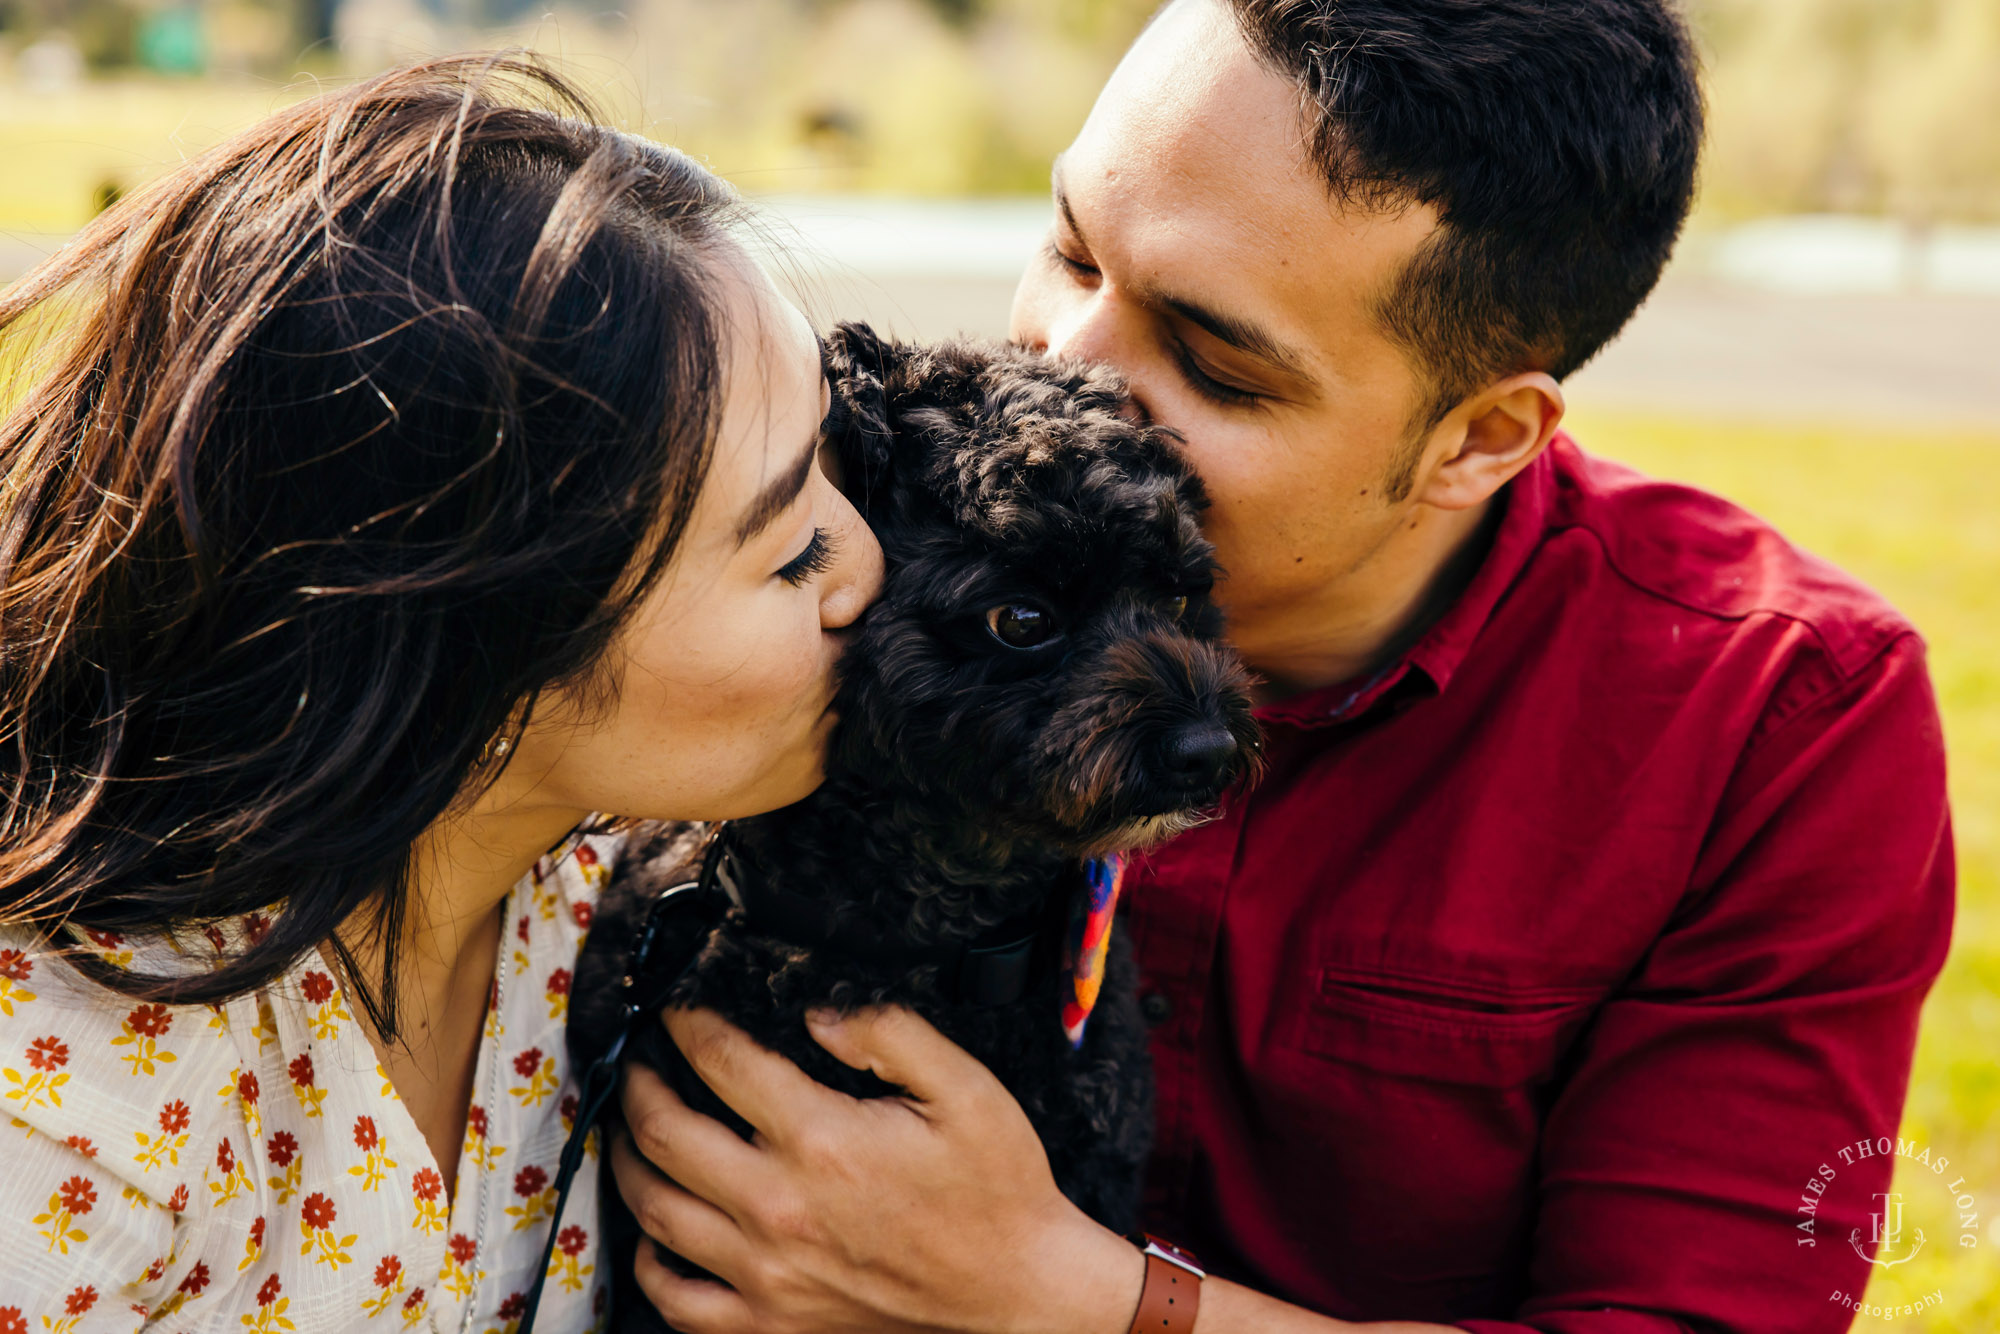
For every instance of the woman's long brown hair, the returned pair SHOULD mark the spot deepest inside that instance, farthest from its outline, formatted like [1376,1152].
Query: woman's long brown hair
[353,437]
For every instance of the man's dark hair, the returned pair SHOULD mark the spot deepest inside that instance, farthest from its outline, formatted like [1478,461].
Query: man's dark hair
[1556,138]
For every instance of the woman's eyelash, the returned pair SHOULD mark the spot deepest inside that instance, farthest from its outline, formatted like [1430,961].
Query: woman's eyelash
[1207,385]
[817,558]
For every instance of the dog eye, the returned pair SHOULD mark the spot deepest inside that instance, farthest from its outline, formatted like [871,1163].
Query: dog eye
[1177,606]
[1021,625]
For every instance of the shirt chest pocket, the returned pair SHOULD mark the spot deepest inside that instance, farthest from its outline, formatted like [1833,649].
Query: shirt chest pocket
[1438,1032]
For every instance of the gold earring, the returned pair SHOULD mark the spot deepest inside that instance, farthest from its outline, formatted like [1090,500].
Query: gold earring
[496,748]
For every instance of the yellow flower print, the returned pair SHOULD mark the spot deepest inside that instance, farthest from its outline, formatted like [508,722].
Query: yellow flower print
[540,1073]
[457,1275]
[321,991]
[253,1245]
[283,1151]
[556,990]
[270,1308]
[81,1298]
[174,1118]
[70,1201]
[316,1220]
[243,1087]
[427,1189]
[235,1178]
[390,1282]
[538,1197]
[565,1266]
[478,1149]
[15,968]
[143,1028]
[47,1055]
[377,1161]
[310,1096]
[414,1307]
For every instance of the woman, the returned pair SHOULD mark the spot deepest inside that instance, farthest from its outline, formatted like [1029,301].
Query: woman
[405,480]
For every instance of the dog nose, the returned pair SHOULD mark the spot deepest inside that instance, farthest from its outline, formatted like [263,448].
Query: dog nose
[1197,756]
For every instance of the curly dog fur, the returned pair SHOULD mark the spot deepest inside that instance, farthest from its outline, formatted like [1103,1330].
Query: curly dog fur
[1042,681]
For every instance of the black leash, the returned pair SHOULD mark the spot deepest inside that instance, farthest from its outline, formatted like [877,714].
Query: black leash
[601,1078]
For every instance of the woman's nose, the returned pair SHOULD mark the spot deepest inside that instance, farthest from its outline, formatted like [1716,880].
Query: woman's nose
[856,581]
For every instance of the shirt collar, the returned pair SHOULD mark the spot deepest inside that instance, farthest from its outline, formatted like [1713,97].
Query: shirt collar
[1427,668]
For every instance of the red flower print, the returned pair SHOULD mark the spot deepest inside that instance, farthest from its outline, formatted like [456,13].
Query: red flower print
[105,939]
[568,1108]
[365,1138]
[388,1271]
[82,1144]
[257,1231]
[319,1210]
[511,1308]
[582,912]
[528,1182]
[216,938]
[78,1196]
[178,1201]
[426,1184]
[196,1280]
[150,1021]
[15,965]
[255,925]
[49,1053]
[477,1116]
[414,1300]
[174,1117]
[493,995]
[11,1322]
[155,1269]
[463,1248]
[521,929]
[301,1069]
[225,1157]
[585,856]
[281,1148]
[318,987]
[528,1062]
[82,1299]
[558,984]
[269,1292]
[571,1239]
[246,1086]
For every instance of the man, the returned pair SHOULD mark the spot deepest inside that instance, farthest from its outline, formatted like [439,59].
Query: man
[1602,861]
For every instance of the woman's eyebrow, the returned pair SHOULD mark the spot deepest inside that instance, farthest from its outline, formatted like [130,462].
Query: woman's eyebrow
[777,495]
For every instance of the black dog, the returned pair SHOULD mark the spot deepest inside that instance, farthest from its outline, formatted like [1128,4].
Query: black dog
[1040,683]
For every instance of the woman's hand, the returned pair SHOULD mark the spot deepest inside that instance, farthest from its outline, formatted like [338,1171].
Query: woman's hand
[934,1211]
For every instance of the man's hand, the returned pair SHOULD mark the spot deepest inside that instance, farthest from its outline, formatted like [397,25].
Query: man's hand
[933,1211]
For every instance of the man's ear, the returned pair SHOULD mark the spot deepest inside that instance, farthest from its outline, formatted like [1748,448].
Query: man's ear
[1490,437]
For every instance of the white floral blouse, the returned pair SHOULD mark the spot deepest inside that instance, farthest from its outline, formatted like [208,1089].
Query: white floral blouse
[248,1166]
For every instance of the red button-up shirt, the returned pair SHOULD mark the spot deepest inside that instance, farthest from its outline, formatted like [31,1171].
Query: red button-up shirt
[1543,970]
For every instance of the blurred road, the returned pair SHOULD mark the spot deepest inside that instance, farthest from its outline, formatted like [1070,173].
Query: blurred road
[1703,346]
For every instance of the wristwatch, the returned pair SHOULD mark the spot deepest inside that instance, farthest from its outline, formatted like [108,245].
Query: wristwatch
[1171,1298]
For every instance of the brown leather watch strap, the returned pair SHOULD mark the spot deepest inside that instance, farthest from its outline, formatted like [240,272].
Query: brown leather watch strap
[1170,1300]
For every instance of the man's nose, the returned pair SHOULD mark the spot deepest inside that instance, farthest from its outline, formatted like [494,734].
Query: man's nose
[1088,327]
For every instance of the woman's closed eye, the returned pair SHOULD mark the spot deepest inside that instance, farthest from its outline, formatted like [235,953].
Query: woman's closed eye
[816,558]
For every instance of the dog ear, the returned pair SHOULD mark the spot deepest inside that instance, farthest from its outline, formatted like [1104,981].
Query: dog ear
[859,363]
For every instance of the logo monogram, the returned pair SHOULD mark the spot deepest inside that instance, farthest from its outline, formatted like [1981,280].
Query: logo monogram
[1886,1229]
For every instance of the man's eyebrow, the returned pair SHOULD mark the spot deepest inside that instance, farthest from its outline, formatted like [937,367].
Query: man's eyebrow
[777,495]
[1240,334]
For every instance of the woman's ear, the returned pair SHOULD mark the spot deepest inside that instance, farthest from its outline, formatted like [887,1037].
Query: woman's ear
[1488,439]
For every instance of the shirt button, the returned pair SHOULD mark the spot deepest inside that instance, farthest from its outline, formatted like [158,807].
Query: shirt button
[1156,1008]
